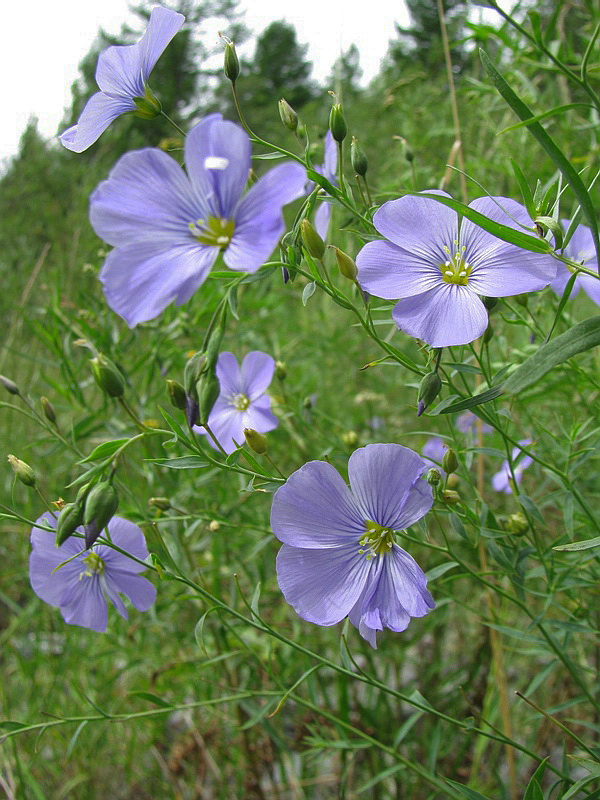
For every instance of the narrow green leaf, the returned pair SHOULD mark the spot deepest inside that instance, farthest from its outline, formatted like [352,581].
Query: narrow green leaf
[184,462]
[524,188]
[152,698]
[104,450]
[471,794]
[469,402]
[563,164]
[587,544]
[577,339]
[534,790]
[553,112]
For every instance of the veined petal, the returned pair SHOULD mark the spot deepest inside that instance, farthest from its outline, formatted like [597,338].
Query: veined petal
[226,426]
[45,557]
[259,218]
[217,157]
[259,415]
[138,589]
[315,509]
[123,69]
[99,111]
[322,585]
[146,194]
[389,271]
[86,606]
[382,477]
[499,269]
[447,315]
[128,537]
[559,284]
[257,373]
[228,374]
[420,225]
[142,278]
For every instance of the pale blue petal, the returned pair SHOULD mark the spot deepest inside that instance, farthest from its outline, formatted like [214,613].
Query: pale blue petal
[138,589]
[259,416]
[322,219]
[99,111]
[420,225]
[86,606]
[257,373]
[128,537]
[388,271]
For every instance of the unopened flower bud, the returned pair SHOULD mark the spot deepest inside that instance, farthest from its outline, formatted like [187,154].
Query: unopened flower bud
[490,302]
[214,525]
[449,461]
[48,409]
[100,506]
[107,375]
[517,524]
[451,497]
[358,158]
[69,519]
[288,115]
[162,503]
[346,265]
[176,394]
[256,441]
[281,370]
[337,123]
[429,389]
[208,391]
[433,477]
[10,386]
[232,62]
[22,470]
[193,369]
[488,334]
[191,410]
[350,438]
[313,243]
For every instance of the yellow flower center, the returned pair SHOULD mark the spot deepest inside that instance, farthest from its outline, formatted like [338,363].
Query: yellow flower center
[376,540]
[94,565]
[240,402]
[214,232]
[455,269]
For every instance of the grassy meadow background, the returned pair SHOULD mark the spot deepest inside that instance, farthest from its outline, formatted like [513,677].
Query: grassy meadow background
[183,701]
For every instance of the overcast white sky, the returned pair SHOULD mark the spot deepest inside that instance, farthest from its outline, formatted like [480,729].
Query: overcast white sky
[40,53]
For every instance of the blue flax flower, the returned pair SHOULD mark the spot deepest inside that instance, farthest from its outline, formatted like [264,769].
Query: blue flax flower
[168,228]
[329,170]
[80,581]
[437,271]
[580,249]
[121,74]
[503,479]
[339,556]
[242,401]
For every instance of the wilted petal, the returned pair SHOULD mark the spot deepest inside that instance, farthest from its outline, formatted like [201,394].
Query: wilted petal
[217,157]
[259,218]
[146,193]
[389,271]
[322,585]
[142,278]
[315,509]
[382,477]
[99,111]
[420,225]
[257,373]
[448,315]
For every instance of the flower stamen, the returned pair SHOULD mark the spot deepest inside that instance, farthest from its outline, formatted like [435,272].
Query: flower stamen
[240,401]
[455,269]
[94,565]
[376,541]
[214,232]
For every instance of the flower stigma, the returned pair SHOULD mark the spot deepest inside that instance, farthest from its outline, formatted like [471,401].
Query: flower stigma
[94,565]
[214,232]
[240,401]
[455,269]
[376,540]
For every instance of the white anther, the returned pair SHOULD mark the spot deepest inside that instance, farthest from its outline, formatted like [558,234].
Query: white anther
[449,273]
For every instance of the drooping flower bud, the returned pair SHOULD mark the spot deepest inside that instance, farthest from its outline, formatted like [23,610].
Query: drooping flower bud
[256,441]
[232,62]
[517,524]
[70,518]
[100,506]
[22,470]
[350,439]
[433,477]
[162,503]
[193,369]
[281,370]
[346,265]
[10,386]
[48,409]
[337,123]
[358,158]
[288,115]
[176,394]
[315,246]
[429,389]
[488,334]
[108,376]
[451,497]
[449,461]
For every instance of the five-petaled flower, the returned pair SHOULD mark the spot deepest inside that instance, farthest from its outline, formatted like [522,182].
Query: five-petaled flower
[242,401]
[439,271]
[502,481]
[339,556]
[121,74]
[581,250]
[168,228]
[81,581]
